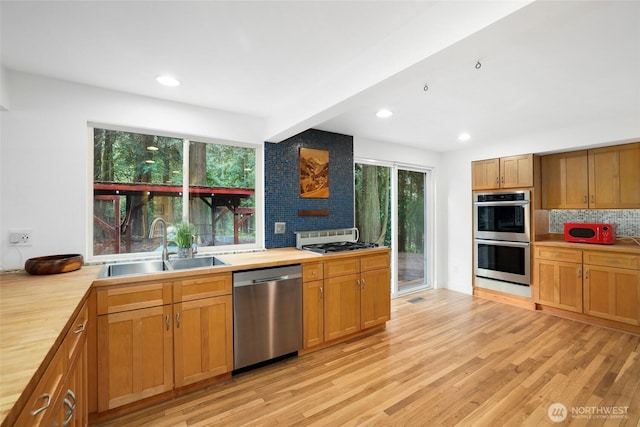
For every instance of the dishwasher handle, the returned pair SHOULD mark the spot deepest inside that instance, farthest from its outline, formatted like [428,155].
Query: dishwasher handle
[270,279]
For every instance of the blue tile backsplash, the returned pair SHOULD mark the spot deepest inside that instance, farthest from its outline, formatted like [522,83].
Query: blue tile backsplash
[627,221]
[282,200]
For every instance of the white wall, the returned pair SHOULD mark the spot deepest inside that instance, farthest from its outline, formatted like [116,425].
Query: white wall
[455,213]
[44,182]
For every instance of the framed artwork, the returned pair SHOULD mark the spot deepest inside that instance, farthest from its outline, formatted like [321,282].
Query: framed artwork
[314,173]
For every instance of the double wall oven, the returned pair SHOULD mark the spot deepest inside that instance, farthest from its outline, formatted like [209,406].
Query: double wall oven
[502,239]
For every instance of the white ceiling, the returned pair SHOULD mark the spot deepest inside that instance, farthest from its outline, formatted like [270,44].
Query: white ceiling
[331,64]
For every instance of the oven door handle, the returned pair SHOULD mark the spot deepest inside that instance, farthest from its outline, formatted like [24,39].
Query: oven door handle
[503,243]
[509,203]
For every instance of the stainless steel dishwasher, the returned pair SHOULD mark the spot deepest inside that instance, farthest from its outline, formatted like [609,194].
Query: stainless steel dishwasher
[267,314]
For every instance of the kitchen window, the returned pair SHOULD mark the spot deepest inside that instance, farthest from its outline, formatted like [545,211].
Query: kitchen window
[138,177]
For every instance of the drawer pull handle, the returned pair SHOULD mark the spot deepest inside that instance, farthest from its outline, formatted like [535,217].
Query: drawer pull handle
[585,198]
[579,273]
[166,321]
[313,273]
[586,274]
[45,396]
[615,261]
[68,412]
[177,320]
[72,395]
[321,293]
[363,283]
[79,329]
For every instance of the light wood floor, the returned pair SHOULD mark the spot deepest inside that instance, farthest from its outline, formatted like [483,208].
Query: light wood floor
[445,359]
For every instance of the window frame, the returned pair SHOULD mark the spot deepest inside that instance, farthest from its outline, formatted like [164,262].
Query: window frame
[259,193]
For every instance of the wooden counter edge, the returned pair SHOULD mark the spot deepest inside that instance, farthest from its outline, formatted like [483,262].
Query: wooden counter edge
[19,404]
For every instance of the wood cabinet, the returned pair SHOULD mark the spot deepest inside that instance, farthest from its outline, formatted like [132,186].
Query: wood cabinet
[602,178]
[565,180]
[612,286]
[135,343]
[375,296]
[344,296]
[485,174]
[156,336]
[598,283]
[341,305]
[558,278]
[312,304]
[614,177]
[504,172]
[203,329]
[60,397]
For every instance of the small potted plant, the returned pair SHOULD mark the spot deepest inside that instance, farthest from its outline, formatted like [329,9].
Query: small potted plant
[184,236]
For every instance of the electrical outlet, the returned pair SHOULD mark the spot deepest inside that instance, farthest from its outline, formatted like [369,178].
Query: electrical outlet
[280,228]
[21,237]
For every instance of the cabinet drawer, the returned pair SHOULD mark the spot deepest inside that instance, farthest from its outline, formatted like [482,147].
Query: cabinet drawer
[41,407]
[341,267]
[202,287]
[612,259]
[374,262]
[76,335]
[558,254]
[133,297]
[312,272]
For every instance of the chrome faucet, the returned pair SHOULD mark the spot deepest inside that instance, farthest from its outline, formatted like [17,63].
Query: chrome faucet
[152,228]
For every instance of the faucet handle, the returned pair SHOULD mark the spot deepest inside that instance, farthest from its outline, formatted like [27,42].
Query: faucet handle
[194,245]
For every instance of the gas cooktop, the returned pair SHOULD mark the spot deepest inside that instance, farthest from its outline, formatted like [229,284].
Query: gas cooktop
[324,248]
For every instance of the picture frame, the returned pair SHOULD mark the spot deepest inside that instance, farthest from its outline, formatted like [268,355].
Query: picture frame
[314,173]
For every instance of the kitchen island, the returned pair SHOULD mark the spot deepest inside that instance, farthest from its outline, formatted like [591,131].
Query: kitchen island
[38,312]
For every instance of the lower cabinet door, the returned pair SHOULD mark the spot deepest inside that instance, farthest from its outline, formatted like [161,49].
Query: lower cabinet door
[341,306]
[135,355]
[203,334]
[612,293]
[313,313]
[375,297]
[559,284]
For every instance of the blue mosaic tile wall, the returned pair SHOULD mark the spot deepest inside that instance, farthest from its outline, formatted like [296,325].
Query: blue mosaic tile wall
[627,221]
[282,200]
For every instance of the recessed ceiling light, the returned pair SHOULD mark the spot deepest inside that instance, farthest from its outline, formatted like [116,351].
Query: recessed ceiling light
[383,114]
[464,136]
[168,81]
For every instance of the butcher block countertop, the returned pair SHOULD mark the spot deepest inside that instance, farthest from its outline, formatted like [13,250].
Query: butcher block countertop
[557,240]
[36,311]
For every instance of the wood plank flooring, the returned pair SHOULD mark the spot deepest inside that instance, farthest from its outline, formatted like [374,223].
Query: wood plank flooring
[444,359]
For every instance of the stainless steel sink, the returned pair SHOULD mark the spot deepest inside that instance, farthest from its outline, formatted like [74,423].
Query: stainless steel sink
[199,262]
[129,268]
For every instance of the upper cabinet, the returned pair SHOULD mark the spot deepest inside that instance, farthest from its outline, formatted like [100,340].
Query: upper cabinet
[614,177]
[602,178]
[565,180]
[505,172]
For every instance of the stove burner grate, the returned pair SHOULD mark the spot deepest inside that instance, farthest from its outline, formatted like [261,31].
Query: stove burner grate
[324,248]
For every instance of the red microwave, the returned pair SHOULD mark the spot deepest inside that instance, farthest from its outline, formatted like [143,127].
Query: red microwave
[602,234]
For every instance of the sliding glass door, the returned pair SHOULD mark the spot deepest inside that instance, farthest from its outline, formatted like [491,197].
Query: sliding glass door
[412,261]
[391,209]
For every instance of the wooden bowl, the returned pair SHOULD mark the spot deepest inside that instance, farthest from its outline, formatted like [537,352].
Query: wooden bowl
[53,264]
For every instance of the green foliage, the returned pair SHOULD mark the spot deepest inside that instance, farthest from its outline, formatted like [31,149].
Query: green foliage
[184,231]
